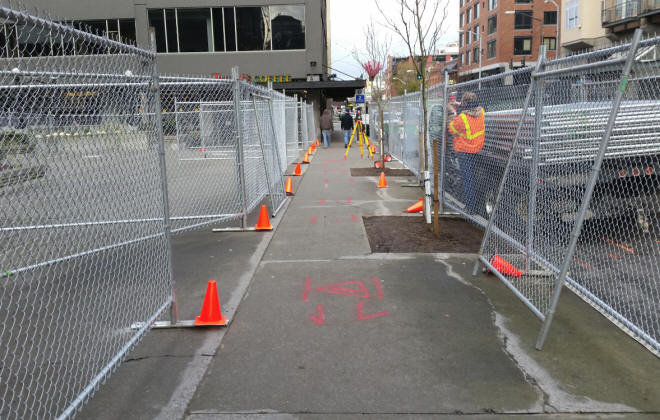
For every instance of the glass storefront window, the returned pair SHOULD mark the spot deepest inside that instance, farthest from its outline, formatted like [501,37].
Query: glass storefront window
[253,28]
[288,24]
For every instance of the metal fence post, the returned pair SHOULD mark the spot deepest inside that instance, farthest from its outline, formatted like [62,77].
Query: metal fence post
[155,89]
[533,173]
[514,146]
[443,149]
[240,155]
[591,184]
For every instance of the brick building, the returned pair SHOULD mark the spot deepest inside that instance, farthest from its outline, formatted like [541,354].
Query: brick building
[499,32]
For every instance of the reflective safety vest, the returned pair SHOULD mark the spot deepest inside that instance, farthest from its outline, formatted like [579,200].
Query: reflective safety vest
[469,132]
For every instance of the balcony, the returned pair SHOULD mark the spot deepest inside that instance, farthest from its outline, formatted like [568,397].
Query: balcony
[625,11]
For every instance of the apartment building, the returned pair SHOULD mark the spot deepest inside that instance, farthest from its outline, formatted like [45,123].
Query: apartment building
[620,18]
[495,34]
[581,28]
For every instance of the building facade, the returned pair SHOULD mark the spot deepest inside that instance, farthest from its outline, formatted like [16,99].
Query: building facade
[620,18]
[581,28]
[497,34]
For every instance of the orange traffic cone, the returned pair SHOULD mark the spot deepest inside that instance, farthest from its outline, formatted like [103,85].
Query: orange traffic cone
[211,314]
[388,158]
[318,143]
[306,158]
[417,207]
[382,182]
[314,147]
[288,187]
[263,223]
[377,164]
[297,171]
[504,267]
[310,150]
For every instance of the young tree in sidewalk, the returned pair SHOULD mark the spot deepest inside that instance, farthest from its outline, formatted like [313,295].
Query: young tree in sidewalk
[373,61]
[419,24]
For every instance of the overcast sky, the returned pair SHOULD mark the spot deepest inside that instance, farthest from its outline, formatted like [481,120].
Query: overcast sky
[348,18]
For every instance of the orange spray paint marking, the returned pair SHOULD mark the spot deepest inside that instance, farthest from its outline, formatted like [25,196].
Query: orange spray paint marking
[620,245]
[582,263]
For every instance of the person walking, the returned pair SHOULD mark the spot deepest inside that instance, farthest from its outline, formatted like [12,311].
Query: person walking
[347,126]
[326,127]
[469,131]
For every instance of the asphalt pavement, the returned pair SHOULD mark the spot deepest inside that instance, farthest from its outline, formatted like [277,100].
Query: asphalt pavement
[322,328]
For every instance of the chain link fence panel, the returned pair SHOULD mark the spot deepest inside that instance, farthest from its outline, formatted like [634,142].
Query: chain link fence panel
[293,147]
[616,256]
[84,250]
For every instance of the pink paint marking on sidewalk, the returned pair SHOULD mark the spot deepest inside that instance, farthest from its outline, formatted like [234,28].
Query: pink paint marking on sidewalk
[318,318]
[322,201]
[355,218]
[313,221]
[363,317]
[308,286]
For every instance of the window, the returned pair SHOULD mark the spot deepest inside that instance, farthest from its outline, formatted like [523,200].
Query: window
[157,21]
[288,24]
[462,20]
[523,19]
[460,39]
[469,13]
[550,43]
[522,45]
[523,1]
[492,24]
[194,30]
[230,28]
[475,55]
[253,27]
[460,59]
[462,3]
[476,33]
[492,49]
[218,29]
[492,4]
[476,11]
[550,18]
[572,14]
[170,31]
[127,30]
[467,58]
[468,39]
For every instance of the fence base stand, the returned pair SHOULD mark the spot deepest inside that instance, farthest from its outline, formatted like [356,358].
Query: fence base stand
[234,229]
[168,324]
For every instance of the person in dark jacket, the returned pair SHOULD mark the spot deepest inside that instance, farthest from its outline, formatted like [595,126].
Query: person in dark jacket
[347,126]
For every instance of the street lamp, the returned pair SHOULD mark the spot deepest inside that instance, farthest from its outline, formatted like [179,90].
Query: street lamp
[480,48]
[405,88]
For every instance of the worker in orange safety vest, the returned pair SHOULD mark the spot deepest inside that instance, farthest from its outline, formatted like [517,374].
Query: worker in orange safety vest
[469,132]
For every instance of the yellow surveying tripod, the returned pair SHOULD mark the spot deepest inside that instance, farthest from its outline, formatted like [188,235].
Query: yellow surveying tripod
[359,128]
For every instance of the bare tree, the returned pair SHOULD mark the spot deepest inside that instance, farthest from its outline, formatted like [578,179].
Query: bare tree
[419,24]
[373,61]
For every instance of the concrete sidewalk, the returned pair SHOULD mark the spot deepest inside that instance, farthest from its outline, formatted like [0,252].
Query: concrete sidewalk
[329,330]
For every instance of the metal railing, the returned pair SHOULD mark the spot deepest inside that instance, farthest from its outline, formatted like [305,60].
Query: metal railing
[566,185]
[101,160]
[613,13]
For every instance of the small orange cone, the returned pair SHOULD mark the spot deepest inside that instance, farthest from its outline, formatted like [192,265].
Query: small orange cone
[388,158]
[263,223]
[288,187]
[297,171]
[211,314]
[306,158]
[314,147]
[318,143]
[377,164]
[504,267]
[382,182]
[310,150]
[417,207]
